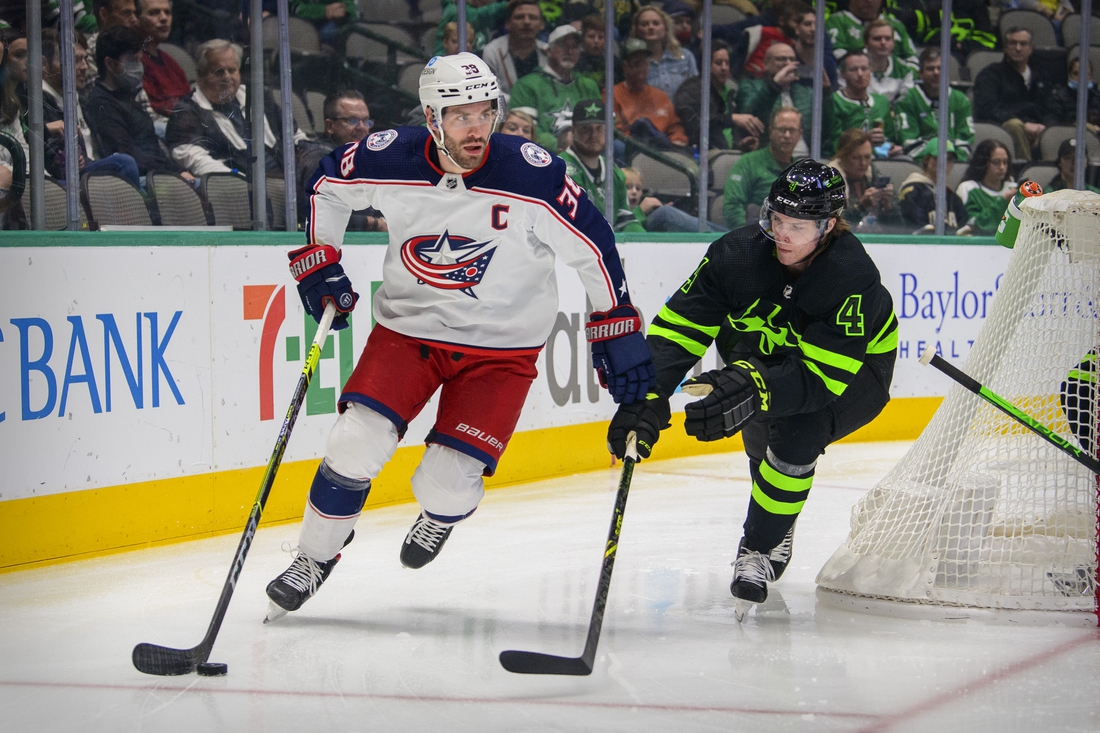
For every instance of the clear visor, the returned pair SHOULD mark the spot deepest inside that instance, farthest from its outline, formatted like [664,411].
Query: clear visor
[767,215]
[458,120]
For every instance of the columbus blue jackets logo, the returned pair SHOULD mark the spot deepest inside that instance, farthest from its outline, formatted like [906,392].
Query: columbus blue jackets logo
[381,140]
[448,262]
[535,155]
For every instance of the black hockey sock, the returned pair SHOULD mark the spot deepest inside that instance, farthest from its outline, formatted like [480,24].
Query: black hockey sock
[779,490]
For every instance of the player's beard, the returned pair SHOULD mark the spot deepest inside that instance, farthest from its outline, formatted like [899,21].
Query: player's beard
[458,155]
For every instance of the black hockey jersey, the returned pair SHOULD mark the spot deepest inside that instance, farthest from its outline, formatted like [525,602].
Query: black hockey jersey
[813,332]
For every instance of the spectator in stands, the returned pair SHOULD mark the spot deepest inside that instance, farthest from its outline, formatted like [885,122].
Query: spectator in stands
[519,52]
[330,16]
[987,188]
[917,113]
[593,46]
[752,176]
[1067,168]
[1061,107]
[890,77]
[520,124]
[683,26]
[845,30]
[643,111]
[483,16]
[109,13]
[917,198]
[761,97]
[118,122]
[1055,10]
[728,128]
[587,166]
[855,106]
[870,196]
[347,120]
[550,93]
[669,64]
[207,132]
[778,24]
[165,80]
[53,118]
[1012,94]
[971,27]
[805,35]
[12,109]
[450,38]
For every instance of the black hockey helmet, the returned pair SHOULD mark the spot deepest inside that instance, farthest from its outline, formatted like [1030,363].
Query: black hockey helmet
[808,190]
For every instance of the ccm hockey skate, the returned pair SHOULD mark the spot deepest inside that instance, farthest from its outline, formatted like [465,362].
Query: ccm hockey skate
[298,583]
[424,541]
[752,571]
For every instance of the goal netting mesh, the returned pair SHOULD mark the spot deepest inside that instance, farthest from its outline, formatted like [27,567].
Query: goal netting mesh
[981,512]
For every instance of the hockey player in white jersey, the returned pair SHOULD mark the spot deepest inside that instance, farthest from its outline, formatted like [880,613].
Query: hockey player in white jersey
[467,301]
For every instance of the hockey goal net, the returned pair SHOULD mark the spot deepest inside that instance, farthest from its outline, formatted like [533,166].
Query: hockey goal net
[981,512]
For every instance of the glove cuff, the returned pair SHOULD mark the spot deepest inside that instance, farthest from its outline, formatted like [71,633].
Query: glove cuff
[620,321]
[311,258]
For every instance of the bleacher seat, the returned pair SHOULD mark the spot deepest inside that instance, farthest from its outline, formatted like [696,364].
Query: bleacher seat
[716,214]
[301,114]
[662,179]
[1053,136]
[276,200]
[1042,30]
[720,165]
[1041,173]
[113,200]
[896,170]
[57,213]
[1071,30]
[384,11]
[979,59]
[176,200]
[230,199]
[991,131]
[723,14]
[304,37]
[182,58]
[362,48]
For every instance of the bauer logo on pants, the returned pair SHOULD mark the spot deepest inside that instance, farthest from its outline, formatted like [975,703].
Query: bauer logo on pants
[448,262]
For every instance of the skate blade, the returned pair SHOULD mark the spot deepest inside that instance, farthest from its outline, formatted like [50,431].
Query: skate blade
[274,612]
[741,609]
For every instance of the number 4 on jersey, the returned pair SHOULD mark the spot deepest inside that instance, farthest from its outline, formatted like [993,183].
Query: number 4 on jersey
[851,316]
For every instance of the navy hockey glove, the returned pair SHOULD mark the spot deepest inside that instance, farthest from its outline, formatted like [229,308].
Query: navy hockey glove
[645,418]
[731,397]
[321,280]
[619,353]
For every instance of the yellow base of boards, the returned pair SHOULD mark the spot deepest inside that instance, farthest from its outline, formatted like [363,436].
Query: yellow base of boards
[76,525]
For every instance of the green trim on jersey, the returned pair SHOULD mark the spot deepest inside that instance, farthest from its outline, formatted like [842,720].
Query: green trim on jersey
[858,114]
[552,101]
[918,122]
[984,206]
[846,32]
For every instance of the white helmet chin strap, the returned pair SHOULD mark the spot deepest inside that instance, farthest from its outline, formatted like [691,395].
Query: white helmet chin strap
[435,128]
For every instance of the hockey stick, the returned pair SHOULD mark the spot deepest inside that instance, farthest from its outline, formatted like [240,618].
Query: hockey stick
[162,660]
[539,663]
[930,357]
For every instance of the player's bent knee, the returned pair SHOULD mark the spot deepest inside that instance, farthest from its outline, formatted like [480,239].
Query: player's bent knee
[360,443]
[448,484]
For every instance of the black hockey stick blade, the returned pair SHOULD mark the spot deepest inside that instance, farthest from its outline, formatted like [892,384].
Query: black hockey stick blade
[931,357]
[539,663]
[522,662]
[166,661]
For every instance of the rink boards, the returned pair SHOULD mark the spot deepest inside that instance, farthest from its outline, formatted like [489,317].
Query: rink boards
[142,384]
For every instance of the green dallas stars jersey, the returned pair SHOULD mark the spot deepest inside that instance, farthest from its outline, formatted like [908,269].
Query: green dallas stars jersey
[860,115]
[813,332]
[625,219]
[918,121]
[846,32]
[550,101]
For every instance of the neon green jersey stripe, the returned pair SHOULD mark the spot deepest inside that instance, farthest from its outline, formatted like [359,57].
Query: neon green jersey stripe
[830,358]
[775,507]
[885,342]
[671,316]
[834,386]
[782,480]
[689,345]
[1082,376]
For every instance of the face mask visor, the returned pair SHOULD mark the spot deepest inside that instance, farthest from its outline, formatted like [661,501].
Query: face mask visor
[766,221]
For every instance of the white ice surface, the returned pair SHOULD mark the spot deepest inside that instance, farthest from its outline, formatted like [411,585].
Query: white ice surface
[383,648]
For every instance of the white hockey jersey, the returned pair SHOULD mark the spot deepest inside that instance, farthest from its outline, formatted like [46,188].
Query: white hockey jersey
[470,262]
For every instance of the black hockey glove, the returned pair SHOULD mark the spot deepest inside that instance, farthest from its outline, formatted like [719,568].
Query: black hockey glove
[731,397]
[645,418]
[321,280]
[620,355]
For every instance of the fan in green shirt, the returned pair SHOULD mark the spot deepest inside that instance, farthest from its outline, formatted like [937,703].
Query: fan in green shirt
[987,188]
[854,107]
[917,113]
[845,30]
[752,176]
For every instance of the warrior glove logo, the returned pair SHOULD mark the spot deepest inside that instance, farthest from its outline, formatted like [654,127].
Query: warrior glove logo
[447,262]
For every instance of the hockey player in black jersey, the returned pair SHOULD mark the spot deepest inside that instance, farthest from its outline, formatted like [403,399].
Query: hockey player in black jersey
[808,333]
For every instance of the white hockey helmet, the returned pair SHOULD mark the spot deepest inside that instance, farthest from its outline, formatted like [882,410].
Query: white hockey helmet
[448,81]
